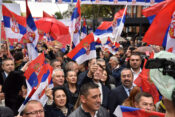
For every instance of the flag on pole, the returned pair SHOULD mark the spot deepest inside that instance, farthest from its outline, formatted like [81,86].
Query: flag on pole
[118,23]
[38,77]
[84,51]
[124,111]
[14,25]
[84,29]
[156,33]
[76,24]
[32,35]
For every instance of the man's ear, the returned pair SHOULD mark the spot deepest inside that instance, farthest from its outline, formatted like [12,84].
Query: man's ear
[83,99]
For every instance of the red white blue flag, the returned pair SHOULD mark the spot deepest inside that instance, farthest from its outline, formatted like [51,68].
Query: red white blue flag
[118,22]
[156,34]
[14,25]
[110,46]
[84,51]
[38,77]
[76,24]
[124,111]
[32,35]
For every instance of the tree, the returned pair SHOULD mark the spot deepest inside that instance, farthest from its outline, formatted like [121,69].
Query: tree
[58,15]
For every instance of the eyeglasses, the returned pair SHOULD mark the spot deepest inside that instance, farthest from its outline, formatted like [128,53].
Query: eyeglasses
[35,112]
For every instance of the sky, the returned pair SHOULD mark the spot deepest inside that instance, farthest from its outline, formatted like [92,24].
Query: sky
[37,8]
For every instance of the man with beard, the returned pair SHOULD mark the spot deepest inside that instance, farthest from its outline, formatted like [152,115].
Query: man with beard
[119,94]
[135,62]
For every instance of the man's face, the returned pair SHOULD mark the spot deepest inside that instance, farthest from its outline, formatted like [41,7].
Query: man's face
[98,74]
[127,78]
[112,63]
[135,61]
[57,65]
[34,110]
[92,101]
[58,79]
[146,103]
[102,63]
[8,66]
[75,67]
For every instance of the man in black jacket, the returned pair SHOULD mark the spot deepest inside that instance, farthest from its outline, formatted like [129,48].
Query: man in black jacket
[90,102]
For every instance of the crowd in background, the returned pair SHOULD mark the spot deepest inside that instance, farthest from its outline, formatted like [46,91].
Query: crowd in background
[113,75]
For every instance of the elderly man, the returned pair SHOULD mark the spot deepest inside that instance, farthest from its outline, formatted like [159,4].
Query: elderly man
[90,102]
[116,69]
[33,109]
[119,94]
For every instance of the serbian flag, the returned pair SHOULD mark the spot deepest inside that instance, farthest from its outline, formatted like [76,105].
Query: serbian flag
[157,31]
[124,111]
[76,24]
[152,11]
[84,51]
[169,40]
[104,30]
[84,29]
[151,2]
[144,82]
[109,46]
[38,77]
[118,22]
[14,25]
[3,36]
[32,35]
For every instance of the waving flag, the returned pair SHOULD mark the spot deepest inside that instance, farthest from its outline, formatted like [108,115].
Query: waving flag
[76,24]
[157,31]
[169,40]
[151,12]
[139,2]
[38,77]
[124,111]
[14,25]
[98,42]
[118,22]
[84,29]
[84,51]
[110,46]
[32,35]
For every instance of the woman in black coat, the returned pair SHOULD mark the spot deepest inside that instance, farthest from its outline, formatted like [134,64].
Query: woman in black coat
[60,106]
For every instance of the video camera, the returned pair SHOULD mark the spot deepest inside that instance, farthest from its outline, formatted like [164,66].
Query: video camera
[168,69]
[167,65]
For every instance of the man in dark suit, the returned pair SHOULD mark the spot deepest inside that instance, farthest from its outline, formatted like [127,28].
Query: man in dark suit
[8,65]
[120,93]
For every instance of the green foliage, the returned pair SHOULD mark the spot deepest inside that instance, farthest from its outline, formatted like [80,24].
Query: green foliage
[58,15]
[7,1]
[96,11]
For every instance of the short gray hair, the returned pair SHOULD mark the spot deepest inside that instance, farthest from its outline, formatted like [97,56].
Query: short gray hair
[114,58]
[56,70]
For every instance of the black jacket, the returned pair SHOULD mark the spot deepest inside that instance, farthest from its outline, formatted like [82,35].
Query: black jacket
[79,112]
[53,111]
[116,97]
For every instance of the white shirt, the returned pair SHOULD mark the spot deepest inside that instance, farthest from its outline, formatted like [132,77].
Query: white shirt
[127,90]
[136,74]
[101,91]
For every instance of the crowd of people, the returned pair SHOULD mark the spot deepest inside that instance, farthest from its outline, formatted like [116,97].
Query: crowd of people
[93,89]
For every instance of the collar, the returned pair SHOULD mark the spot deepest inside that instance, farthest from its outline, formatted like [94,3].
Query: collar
[87,113]
[116,67]
[6,74]
[135,72]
